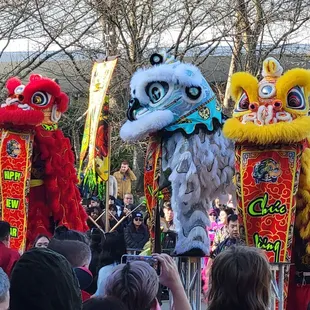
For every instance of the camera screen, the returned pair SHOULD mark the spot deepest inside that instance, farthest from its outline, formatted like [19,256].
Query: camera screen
[148,259]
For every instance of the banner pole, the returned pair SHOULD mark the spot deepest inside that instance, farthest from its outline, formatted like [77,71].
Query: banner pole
[107,187]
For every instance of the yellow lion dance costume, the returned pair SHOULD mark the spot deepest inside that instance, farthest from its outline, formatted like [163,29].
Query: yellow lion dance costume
[271,128]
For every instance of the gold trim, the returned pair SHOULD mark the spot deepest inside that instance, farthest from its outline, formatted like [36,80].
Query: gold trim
[36,182]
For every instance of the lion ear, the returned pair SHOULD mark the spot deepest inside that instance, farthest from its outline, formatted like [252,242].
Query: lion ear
[12,83]
[62,102]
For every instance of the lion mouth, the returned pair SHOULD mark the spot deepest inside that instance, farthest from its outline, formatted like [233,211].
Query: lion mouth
[14,104]
[266,115]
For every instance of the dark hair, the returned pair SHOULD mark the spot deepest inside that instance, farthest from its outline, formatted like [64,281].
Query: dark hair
[39,237]
[95,247]
[141,228]
[44,280]
[240,280]
[125,162]
[112,207]
[113,247]
[228,211]
[76,252]
[4,230]
[63,233]
[92,209]
[232,218]
[107,303]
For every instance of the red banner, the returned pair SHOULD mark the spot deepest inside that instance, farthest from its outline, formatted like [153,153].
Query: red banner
[152,172]
[15,167]
[267,181]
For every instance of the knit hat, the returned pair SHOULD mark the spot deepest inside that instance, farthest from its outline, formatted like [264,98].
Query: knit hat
[44,280]
[137,214]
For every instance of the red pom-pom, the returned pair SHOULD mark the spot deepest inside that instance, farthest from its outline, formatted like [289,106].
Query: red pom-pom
[12,83]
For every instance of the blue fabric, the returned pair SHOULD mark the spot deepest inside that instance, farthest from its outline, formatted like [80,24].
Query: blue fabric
[103,275]
[203,115]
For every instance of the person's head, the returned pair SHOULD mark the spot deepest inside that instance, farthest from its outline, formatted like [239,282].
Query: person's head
[4,290]
[135,284]
[113,211]
[230,202]
[216,202]
[41,241]
[124,166]
[94,212]
[94,202]
[233,226]
[168,212]
[128,199]
[44,280]
[5,232]
[137,218]
[240,279]
[111,200]
[77,253]
[212,216]
[63,233]
[113,247]
[224,213]
[106,303]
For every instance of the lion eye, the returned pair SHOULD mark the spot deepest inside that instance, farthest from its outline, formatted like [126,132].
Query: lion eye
[40,99]
[296,99]
[156,91]
[193,92]
[243,103]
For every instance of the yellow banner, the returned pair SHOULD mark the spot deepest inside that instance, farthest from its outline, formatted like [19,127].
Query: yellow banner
[97,110]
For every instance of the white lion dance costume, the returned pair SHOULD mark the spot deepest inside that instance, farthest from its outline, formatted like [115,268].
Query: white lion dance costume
[174,104]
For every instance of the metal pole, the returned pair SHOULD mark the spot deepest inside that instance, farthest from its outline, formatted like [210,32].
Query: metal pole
[281,286]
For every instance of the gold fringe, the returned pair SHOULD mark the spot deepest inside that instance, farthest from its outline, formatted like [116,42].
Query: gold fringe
[303,199]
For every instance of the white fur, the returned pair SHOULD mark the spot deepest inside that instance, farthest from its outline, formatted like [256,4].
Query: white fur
[152,122]
[204,164]
[176,73]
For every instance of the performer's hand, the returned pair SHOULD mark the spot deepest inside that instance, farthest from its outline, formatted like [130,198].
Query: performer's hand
[169,275]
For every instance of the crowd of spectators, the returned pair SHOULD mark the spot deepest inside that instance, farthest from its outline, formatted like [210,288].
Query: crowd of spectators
[58,277]
[73,270]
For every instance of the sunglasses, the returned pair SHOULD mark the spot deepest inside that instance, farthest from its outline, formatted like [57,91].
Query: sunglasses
[140,219]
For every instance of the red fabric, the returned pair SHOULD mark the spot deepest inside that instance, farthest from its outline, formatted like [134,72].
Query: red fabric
[298,295]
[58,198]
[85,296]
[8,258]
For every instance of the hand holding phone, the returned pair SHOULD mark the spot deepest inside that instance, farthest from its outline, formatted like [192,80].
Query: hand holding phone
[169,274]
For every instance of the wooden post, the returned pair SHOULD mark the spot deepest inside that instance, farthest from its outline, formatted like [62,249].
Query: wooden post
[107,187]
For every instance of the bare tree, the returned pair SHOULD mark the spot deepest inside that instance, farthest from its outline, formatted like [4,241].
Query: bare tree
[260,28]
[63,37]
[49,28]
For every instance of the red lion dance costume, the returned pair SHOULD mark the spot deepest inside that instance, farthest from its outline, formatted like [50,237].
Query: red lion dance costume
[38,178]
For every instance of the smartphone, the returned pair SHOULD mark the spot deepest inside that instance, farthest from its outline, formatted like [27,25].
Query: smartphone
[148,259]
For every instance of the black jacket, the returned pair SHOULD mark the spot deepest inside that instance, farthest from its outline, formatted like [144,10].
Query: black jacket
[136,239]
